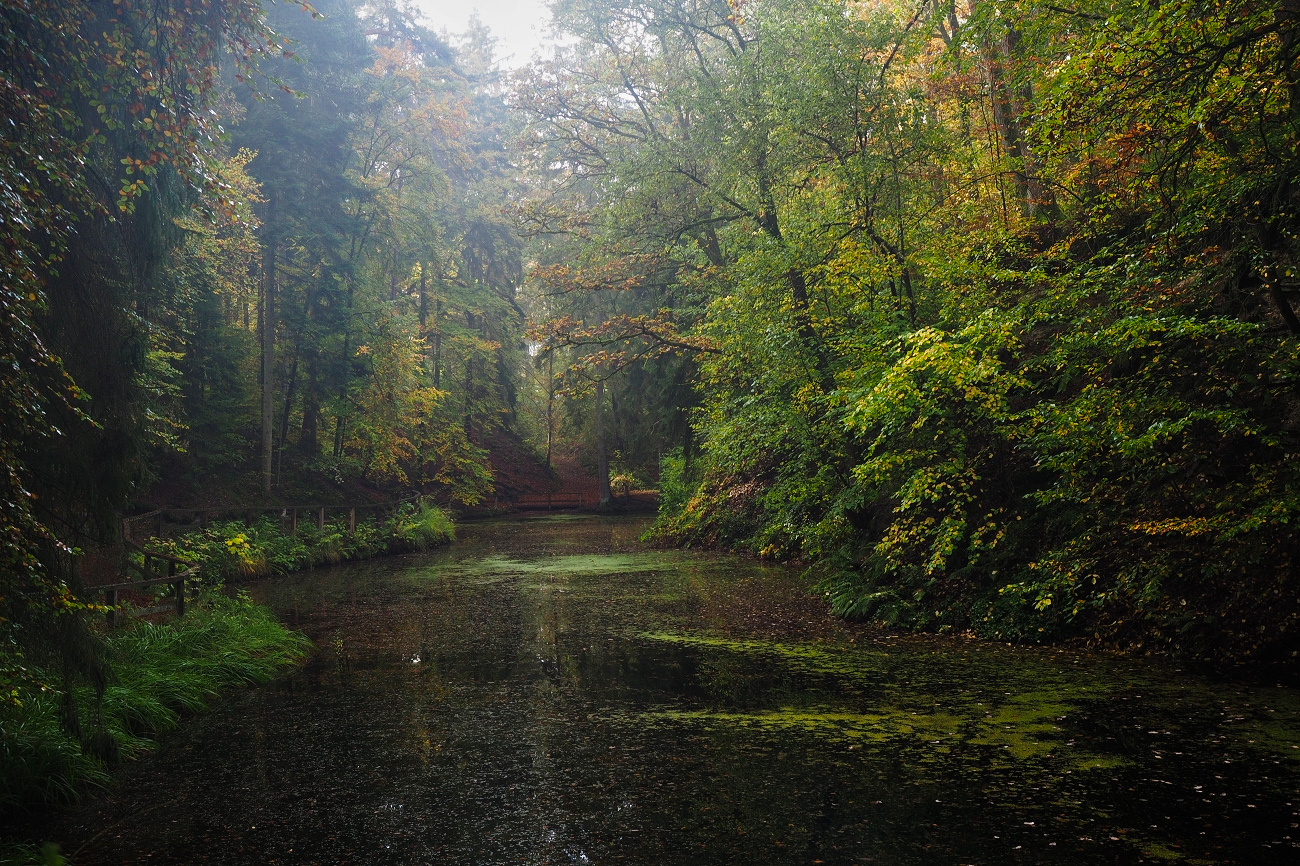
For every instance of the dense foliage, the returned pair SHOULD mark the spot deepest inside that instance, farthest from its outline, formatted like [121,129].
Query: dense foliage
[238,551]
[111,133]
[990,302]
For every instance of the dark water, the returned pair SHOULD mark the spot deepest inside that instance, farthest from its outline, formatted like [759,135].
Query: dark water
[548,692]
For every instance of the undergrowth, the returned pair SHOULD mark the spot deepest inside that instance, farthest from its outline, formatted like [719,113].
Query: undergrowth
[234,551]
[31,854]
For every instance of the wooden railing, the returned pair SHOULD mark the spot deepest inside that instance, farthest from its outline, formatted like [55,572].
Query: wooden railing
[551,500]
[153,522]
[177,571]
[160,568]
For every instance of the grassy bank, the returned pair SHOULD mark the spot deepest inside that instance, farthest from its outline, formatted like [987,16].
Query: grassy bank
[235,550]
[159,673]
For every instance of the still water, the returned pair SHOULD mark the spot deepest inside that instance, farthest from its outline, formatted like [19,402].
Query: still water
[548,691]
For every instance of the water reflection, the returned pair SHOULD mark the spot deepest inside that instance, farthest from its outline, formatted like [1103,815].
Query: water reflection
[549,692]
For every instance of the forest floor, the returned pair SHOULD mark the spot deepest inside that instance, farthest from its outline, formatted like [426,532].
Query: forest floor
[517,471]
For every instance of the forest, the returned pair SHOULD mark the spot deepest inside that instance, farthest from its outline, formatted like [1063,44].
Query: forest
[979,310]
[982,310]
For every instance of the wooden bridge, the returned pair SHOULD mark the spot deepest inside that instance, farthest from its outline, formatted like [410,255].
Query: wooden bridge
[550,500]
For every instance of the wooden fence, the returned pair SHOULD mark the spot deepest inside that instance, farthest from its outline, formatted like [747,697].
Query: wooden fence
[154,523]
[172,570]
[160,568]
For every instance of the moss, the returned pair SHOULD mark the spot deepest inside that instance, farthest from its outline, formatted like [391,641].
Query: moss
[1026,726]
[1159,851]
[940,731]
[829,721]
[822,659]
[1273,723]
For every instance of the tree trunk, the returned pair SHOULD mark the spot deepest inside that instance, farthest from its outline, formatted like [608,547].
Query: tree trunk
[268,363]
[469,399]
[471,323]
[307,443]
[1010,103]
[346,366]
[290,389]
[688,441]
[424,297]
[437,343]
[1004,117]
[307,439]
[550,405]
[602,458]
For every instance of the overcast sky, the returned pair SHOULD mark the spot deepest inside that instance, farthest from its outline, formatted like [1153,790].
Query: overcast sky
[519,25]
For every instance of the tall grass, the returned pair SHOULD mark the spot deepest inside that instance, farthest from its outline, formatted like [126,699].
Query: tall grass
[29,854]
[159,673]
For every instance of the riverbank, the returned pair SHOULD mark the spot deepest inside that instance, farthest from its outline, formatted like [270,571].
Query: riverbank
[60,738]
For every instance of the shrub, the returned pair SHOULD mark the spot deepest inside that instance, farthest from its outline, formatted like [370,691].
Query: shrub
[232,550]
[421,528]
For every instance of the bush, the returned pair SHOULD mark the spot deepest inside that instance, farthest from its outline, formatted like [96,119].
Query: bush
[422,527]
[233,550]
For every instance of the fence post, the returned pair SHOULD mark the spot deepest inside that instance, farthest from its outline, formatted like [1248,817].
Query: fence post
[110,599]
[293,523]
[179,588]
[320,519]
[160,523]
[352,521]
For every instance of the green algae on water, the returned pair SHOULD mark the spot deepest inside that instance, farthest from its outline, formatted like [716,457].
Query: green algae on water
[573,565]
[826,721]
[821,659]
[1021,725]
